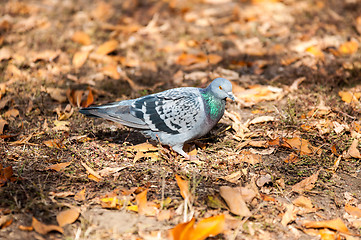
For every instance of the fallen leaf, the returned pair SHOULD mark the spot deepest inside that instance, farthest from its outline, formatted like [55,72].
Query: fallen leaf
[235,201]
[58,167]
[292,158]
[233,177]
[54,143]
[145,207]
[44,229]
[184,187]
[111,71]
[348,48]
[46,55]
[80,196]
[143,147]
[248,157]
[349,97]
[80,58]
[354,211]
[290,215]
[5,221]
[57,94]
[107,47]
[26,228]
[262,119]
[335,224]
[303,201]
[12,113]
[91,171]
[89,99]
[207,227]
[353,152]
[62,194]
[67,216]
[2,125]
[81,37]
[316,52]
[306,184]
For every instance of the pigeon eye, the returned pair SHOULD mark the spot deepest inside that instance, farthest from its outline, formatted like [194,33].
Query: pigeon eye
[220,87]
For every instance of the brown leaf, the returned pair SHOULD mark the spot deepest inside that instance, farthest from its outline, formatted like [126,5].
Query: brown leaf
[354,211]
[91,171]
[2,125]
[247,156]
[67,217]
[58,167]
[26,228]
[303,201]
[54,143]
[145,207]
[335,224]
[5,53]
[107,47]
[46,55]
[316,52]
[80,196]
[44,229]
[184,187]
[80,58]
[235,201]
[81,38]
[89,99]
[349,96]
[306,184]
[57,94]
[353,152]
[290,215]
[12,113]
[143,147]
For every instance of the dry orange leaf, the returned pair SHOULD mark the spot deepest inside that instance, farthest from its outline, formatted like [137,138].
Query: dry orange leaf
[188,59]
[143,147]
[290,215]
[301,145]
[348,48]
[81,37]
[67,217]
[234,201]
[91,172]
[316,51]
[89,100]
[5,174]
[107,47]
[306,184]
[80,58]
[80,196]
[54,143]
[5,221]
[26,228]
[145,207]
[43,228]
[74,96]
[207,227]
[354,211]
[2,125]
[184,187]
[349,97]
[291,158]
[58,167]
[335,224]
[111,71]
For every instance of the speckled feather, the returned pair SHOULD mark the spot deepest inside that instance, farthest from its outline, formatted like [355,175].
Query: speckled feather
[173,116]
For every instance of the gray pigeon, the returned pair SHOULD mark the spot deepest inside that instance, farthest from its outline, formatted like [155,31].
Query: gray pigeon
[174,116]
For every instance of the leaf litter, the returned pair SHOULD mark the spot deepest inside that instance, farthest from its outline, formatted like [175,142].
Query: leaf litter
[287,149]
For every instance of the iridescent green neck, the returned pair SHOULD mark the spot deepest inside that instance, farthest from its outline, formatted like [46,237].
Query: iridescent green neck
[214,105]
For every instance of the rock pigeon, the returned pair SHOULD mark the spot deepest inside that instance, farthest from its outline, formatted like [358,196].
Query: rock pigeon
[172,117]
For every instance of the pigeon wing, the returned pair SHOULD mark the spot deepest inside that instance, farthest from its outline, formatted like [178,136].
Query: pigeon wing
[174,111]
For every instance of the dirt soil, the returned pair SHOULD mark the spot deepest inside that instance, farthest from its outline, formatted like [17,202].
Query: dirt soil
[295,68]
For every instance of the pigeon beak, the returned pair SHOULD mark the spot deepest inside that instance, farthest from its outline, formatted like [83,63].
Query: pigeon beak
[231,96]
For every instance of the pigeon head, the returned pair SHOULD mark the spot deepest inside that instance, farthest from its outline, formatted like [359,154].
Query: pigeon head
[221,88]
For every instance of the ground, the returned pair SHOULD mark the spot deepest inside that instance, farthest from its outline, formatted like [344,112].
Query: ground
[286,150]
